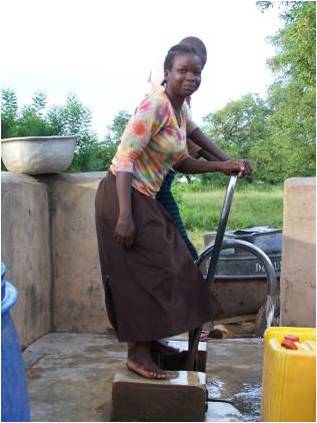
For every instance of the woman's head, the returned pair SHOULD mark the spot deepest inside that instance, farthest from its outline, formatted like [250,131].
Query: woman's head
[182,70]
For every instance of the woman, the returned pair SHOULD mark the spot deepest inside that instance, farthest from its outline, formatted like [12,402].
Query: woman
[153,289]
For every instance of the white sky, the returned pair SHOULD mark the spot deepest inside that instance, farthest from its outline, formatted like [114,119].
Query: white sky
[103,50]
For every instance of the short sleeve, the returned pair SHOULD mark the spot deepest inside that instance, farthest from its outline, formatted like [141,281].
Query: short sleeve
[190,124]
[148,119]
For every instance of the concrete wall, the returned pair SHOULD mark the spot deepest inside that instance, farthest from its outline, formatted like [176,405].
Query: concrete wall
[49,246]
[298,276]
[78,299]
[26,253]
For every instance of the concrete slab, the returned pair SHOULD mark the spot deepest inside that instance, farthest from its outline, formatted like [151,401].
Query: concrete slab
[71,375]
[234,372]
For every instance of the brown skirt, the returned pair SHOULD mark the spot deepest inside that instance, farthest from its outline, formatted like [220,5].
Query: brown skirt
[153,289]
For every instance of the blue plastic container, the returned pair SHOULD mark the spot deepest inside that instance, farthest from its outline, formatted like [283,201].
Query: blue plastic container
[14,394]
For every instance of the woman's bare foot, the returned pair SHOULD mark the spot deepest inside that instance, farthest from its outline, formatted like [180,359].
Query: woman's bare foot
[162,348]
[139,361]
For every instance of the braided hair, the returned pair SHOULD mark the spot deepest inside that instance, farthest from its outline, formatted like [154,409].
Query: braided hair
[176,50]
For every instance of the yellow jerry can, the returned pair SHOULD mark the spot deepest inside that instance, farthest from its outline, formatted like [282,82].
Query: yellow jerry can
[289,375]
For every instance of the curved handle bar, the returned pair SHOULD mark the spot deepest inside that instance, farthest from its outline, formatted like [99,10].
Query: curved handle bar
[251,248]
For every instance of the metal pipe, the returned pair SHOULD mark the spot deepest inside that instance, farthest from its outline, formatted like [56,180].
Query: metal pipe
[221,228]
[194,335]
[251,248]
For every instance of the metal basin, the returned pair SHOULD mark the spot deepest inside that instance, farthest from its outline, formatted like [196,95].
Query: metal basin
[38,155]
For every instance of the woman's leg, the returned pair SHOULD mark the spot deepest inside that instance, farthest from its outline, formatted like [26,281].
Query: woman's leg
[165,197]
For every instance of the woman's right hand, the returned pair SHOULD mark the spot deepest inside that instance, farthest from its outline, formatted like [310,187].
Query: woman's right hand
[124,233]
[232,166]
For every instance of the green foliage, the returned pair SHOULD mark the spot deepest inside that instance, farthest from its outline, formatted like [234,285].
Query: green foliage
[251,207]
[239,124]
[115,130]
[73,118]
[292,96]
[9,110]
[25,122]
[96,157]
[277,135]
[296,45]
[238,129]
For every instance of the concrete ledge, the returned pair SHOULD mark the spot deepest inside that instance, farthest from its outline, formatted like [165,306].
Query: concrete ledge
[298,276]
[137,399]
[26,253]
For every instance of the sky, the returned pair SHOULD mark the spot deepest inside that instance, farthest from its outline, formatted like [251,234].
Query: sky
[103,50]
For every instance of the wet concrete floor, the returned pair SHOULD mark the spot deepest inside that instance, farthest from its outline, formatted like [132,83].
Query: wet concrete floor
[70,377]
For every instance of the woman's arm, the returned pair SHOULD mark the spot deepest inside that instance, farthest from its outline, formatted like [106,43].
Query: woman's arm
[210,151]
[190,165]
[125,229]
[207,145]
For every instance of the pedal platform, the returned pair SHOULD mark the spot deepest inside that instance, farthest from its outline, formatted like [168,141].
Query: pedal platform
[182,398]
[178,361]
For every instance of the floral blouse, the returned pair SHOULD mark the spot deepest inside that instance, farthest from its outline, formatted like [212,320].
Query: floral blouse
[151,143]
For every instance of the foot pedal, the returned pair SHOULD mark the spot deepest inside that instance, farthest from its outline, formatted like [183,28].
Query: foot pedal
[178,361]
[182,398]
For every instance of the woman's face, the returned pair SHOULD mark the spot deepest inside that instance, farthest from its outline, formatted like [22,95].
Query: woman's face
[184,76]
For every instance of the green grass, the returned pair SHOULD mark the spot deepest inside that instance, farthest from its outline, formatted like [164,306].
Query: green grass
[201,210]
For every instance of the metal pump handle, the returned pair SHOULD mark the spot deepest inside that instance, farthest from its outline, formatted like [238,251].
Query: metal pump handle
[221,228]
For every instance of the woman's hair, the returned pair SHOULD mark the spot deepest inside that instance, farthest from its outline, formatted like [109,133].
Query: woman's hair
[176,50]
[198,45]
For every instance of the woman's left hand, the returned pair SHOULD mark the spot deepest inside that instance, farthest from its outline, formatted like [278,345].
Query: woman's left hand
[124,233]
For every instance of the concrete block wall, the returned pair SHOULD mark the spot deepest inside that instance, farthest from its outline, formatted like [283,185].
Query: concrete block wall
[78,296]
[49,246]
[298,275]
[26,253]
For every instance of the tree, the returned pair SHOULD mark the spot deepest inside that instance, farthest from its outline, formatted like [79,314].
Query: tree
[296,45]
[115,130]
[290,150]
[239,127]
[292,96]
[74,118]
[39,101]
[27,121]
[9,110]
